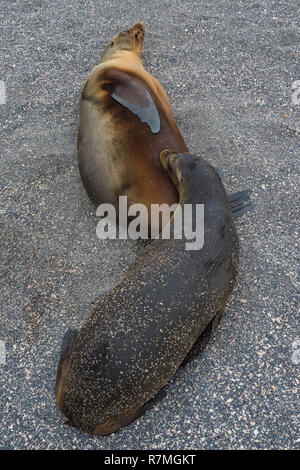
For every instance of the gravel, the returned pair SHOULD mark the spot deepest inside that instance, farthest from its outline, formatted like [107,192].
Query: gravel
[228,67]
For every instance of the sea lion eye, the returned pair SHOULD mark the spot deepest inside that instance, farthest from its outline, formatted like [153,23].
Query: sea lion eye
[136,35]
[112,44]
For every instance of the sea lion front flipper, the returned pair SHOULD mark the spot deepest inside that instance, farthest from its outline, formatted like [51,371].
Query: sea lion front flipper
[240,203]
[133,94]
[112,427]
[67,342]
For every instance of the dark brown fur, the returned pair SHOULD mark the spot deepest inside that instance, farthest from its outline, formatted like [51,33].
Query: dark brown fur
[141,331]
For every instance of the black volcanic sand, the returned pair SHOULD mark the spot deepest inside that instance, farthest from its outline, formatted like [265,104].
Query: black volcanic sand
[228,67]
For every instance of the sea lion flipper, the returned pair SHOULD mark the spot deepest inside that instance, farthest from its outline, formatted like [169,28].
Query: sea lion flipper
[132,93]
[68,340]
[240,203]
[219,171]
[65,354]
[202,340]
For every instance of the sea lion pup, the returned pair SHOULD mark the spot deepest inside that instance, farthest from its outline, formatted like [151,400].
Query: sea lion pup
[140,332]
[125,122]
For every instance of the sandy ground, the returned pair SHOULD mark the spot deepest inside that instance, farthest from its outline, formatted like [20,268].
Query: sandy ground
[228,67]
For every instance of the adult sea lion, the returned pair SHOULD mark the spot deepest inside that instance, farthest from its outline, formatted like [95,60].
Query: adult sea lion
[125,122]
[141,331]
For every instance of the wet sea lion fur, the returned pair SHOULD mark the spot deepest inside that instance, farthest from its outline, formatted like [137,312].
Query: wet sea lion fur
[142,330]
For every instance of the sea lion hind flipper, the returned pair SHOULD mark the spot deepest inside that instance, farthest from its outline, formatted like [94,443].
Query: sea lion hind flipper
[65,354]
[68,340]
[202,340]
[132,93]
[240,203]
[114,426]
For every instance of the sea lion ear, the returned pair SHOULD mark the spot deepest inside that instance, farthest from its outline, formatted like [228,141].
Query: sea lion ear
[132,93]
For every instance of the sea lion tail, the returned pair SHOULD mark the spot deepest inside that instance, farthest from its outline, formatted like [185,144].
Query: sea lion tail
[240,203]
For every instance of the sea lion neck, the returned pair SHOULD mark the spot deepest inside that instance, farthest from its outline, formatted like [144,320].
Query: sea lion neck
[122,55]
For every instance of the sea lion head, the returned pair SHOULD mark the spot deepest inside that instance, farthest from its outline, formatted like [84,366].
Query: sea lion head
[173,163]
[193,176]
[185,170]
[130,40]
